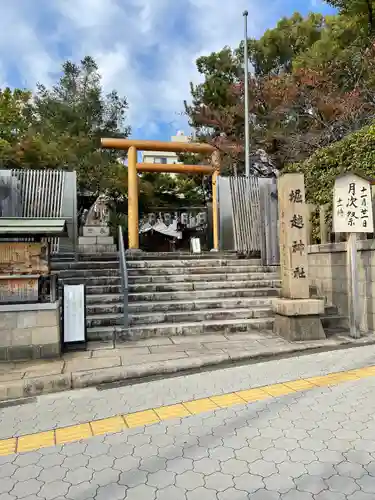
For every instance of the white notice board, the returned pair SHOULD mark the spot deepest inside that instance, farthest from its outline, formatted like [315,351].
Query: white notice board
[74,313]
[352,205]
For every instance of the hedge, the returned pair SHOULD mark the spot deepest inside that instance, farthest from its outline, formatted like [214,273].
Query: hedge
[355,153]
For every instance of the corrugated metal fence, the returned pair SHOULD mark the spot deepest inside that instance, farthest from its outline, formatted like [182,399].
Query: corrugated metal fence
[249,216]
[246,211]
[41,193]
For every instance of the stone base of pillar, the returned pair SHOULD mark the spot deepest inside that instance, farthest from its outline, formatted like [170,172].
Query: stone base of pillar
[96,239]
[298,319]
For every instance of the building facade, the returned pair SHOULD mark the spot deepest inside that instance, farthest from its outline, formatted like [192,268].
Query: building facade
[165,158]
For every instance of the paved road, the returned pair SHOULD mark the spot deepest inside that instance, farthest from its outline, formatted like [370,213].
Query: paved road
[310,445]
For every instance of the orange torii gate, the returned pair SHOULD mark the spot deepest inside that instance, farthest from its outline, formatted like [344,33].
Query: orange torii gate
[133,146]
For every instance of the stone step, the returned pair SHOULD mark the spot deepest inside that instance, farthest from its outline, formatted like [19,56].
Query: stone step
[153,318]
[116,307]
[197,328]
[201,285]
[67,256]
[103,300]
[99,249]
[199,304]
[98,290]
[136,264]
[101,308]
[218,294]
[84,265]
[88,273]
[135,256]
[93,280]
[97,320]
[193,278]
[330,310]
[106,333]
[170,271]
[335,321]
[106,256]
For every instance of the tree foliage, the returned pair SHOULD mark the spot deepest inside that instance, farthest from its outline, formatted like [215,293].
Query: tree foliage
[362,10]
[61,127]
[355,153]
[312,84]
[275,52]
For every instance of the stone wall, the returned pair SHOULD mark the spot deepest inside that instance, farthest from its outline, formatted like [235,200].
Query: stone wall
[328,273]
[29,331]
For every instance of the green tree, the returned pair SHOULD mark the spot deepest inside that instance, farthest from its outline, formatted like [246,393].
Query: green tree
[15,119]
[278,47]
[362,10]
[72,116]
[216,110]
[61,127]
[313,83]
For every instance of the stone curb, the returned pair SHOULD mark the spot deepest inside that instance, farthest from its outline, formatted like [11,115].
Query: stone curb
[31,387]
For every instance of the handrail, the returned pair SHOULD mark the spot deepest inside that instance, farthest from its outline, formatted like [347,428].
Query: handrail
[124,276]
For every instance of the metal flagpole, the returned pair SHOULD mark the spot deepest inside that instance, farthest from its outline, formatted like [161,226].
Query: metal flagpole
[246,90]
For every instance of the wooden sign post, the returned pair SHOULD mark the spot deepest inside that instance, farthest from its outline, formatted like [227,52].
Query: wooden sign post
[352,213]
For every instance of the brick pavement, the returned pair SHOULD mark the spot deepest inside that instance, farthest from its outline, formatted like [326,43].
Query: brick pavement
[101,363]
[314,445]
[51,411]
[308,445]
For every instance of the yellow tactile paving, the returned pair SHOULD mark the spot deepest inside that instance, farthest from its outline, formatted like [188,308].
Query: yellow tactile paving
[277,389]
[8,446]
[173,411]
[369,371]
[321,381]
[299,385]
[344,377]
[200,406]
[73,433]
[139,419]
[35,441]
[108,426]
[253,395]
[227,400]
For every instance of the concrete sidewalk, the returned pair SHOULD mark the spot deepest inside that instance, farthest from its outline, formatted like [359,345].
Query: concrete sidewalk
[153,357]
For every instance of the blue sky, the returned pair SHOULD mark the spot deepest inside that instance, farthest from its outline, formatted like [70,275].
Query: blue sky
[146,49]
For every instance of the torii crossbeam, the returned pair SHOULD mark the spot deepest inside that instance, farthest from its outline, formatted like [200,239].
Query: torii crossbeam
[132,146]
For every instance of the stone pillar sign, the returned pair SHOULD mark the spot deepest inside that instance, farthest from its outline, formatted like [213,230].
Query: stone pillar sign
[297,316]
[293,237]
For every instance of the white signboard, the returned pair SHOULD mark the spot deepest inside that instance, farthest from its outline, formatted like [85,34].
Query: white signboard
[195,245]
[74,313]
[352,205]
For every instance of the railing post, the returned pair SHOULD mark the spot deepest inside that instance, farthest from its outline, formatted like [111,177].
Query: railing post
[75,221]
[215,160]
[53,287]
[133,199]
[124,276]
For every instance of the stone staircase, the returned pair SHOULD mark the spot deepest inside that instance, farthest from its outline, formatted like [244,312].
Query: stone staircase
[172,294]
[100,273]
[184,294]
[176,294]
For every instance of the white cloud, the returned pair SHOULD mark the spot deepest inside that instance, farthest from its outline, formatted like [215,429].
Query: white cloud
[139,51]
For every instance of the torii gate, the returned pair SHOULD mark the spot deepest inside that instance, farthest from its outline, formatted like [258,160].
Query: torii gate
[133,146]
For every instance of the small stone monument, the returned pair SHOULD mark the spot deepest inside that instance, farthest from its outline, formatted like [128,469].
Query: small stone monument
[297,316]
[96,236]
